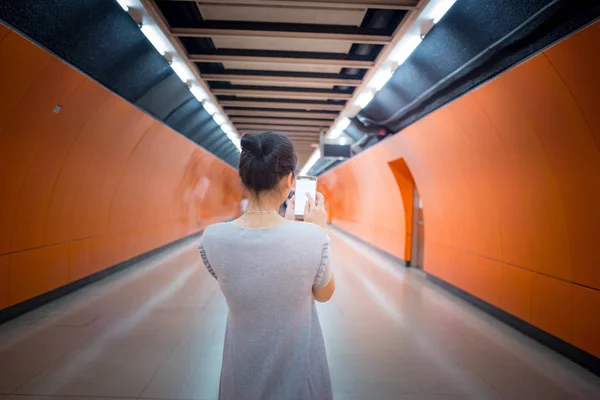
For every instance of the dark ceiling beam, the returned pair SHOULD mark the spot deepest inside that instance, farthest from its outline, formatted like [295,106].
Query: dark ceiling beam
[280,121]
[294,128]
[248,33]
[347,4]
[279,114]
[330,62]
[278,94]
[281,79]
[290,106]
[290,134]
[302,143]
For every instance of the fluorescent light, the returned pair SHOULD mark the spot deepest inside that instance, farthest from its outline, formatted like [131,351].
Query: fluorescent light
[210,107]
[123,5]
[234,139]
[339,127]
[343,140]
[182,71]
[155,37]
[199,93]
[343,123]
[219,119]
[232,135]
[364,99]
[310,162]
[335,133]
[405,48]
[440,9]
[380,78]
[227,129]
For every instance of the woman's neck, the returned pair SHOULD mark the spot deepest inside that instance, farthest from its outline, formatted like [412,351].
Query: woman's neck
[263,203]
[262,212]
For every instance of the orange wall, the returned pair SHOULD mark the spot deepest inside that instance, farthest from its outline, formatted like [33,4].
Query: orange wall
[93,185]
[509,175]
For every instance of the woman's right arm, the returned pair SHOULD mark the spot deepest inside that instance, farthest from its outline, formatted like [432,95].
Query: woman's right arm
[325,284]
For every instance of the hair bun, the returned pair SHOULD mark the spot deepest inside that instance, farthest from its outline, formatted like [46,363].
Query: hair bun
[252,144]
[265,159]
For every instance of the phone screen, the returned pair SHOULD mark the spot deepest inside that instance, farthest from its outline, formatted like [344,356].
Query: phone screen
[304,184]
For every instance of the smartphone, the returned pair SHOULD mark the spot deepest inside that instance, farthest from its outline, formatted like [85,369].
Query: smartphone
[304,184]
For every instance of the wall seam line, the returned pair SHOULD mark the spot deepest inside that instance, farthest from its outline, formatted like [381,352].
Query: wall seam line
[590,129]
[28,173]
[518,266]
[62,167]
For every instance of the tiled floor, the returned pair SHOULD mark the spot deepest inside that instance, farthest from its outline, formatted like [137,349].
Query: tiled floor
[155,331]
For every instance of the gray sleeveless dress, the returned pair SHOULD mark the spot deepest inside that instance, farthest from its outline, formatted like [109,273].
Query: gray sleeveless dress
[274,347]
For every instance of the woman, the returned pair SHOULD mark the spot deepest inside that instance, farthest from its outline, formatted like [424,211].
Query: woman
[271,270]
[284,205]
[243,205]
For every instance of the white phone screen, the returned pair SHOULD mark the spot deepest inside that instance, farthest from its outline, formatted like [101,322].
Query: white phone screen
[304,184]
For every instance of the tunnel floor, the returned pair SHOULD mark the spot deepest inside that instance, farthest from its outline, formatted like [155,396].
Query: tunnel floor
[155,331]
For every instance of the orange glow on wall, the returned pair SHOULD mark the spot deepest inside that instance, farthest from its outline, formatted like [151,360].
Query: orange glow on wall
[509,175]
[94,184]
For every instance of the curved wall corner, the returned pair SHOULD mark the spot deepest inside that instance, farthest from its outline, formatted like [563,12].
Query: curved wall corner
[509,176]
[87,179]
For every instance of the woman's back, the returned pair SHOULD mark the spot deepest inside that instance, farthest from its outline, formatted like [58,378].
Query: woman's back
[274,347]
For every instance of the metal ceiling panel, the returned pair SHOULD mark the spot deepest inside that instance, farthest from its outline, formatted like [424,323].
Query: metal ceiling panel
[265,66]
[284,84]
[299,15]
[165,97]
[282,44]
[309,50]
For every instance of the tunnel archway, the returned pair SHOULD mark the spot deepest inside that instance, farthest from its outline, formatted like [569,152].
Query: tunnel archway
[413,213]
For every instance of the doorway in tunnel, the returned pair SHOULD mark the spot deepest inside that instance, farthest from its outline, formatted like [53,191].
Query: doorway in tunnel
[414,227]
[418,231]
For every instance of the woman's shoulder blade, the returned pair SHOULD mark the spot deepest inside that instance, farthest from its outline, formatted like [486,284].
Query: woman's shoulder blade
[309,229]
[215,229]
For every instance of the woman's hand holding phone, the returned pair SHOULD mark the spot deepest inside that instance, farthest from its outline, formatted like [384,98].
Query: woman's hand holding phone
[314,211]
[289,211]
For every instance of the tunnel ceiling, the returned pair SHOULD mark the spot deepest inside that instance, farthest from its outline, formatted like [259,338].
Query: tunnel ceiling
[291,66]
[475,41]
[284,66]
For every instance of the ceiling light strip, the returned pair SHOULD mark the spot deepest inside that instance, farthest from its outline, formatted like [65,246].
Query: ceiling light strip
[123,4]
[156,29]
[310,162]
[416,24]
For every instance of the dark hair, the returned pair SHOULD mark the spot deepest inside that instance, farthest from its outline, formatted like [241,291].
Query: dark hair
[265,159]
